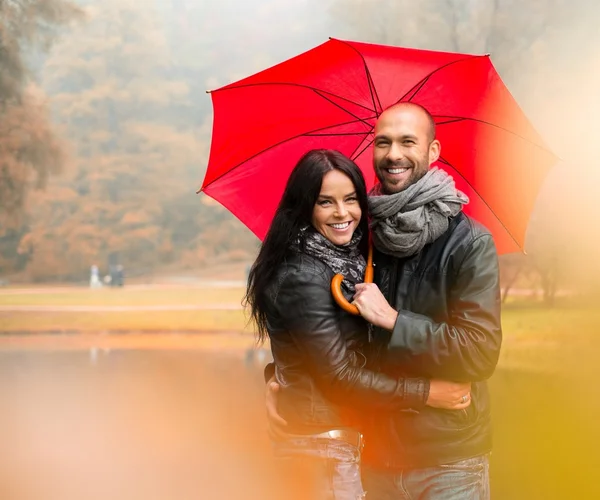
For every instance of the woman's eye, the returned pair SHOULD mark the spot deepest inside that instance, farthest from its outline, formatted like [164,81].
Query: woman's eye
[324,202]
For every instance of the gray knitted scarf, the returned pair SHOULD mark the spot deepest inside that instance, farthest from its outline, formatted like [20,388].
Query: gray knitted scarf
[342,259]
[403,223]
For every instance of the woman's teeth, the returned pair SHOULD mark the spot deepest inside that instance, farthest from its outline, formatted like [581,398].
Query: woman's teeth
[344,225]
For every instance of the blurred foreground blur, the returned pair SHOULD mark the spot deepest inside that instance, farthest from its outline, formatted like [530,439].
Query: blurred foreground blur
[131,425]
[189,424]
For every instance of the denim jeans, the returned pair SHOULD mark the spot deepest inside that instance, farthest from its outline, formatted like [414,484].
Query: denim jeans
[465,480]
[335,471]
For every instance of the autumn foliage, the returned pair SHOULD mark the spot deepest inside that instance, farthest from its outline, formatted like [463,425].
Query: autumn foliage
[30,151]
[136,142]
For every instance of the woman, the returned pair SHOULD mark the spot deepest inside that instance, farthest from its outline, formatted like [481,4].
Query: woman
[320,229]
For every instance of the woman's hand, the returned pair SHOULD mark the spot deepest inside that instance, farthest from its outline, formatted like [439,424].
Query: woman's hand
[277,425]
[374,307]
[449,395]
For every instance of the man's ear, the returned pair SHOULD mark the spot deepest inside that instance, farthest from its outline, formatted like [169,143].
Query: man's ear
[435,149]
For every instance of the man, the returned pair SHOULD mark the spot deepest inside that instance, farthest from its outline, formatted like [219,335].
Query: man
[435,306]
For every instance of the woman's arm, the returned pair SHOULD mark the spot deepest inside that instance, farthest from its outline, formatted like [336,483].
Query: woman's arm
[305,308]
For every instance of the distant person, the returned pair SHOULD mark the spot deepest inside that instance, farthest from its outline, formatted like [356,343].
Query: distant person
[95,277]
[320,229]
[112,273]
[120,275]
[117,275]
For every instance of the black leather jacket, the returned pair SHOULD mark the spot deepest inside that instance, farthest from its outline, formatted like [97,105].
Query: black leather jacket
[448,327]
[318,352]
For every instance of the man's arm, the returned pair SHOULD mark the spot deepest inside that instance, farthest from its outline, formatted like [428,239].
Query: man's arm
[468,345]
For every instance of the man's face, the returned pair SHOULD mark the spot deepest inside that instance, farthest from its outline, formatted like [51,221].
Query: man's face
[403,148]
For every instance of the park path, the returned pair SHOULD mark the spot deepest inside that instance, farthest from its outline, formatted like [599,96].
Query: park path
[202,284]
[87,308]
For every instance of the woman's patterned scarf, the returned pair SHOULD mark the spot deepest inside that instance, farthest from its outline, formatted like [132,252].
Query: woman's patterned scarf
[342,259]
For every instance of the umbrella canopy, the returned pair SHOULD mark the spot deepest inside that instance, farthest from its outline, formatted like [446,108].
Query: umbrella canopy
[331,96]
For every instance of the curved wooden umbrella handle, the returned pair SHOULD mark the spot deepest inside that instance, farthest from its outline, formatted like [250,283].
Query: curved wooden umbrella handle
[336,286]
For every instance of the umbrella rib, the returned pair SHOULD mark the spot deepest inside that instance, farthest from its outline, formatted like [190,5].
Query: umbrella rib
[449,121]
[372,88]
[446,162]
[364,120]
[354,156]
[303,134]
[420,83]
[464,118]
[336,135]
[291,84]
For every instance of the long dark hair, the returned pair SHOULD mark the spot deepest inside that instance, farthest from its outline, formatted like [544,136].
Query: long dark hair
[294,213]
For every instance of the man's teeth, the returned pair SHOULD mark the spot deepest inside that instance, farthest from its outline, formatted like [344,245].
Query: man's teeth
[344,225]
[397,170]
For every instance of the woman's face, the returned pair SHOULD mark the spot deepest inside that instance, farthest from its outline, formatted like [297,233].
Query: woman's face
[337,212]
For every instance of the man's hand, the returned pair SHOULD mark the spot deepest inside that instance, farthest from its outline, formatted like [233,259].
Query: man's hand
[277,424]
[373,307]
[449,395]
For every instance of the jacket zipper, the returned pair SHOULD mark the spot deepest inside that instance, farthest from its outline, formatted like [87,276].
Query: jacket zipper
[393,288]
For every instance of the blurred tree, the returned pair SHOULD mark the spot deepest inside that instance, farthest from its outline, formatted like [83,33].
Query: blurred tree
[29,153]
[138,152]
[110,88]
[513,268]
[27,25]
[29,150]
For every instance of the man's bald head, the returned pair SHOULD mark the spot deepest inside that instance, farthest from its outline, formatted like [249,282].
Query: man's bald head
[410,107]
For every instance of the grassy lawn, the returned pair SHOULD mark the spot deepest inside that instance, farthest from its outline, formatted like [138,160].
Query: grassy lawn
[143,320]
[549,340]
[544,404]
[154,321]
[546,436]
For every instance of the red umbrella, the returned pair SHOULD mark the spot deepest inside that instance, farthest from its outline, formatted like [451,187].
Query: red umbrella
[330,97]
